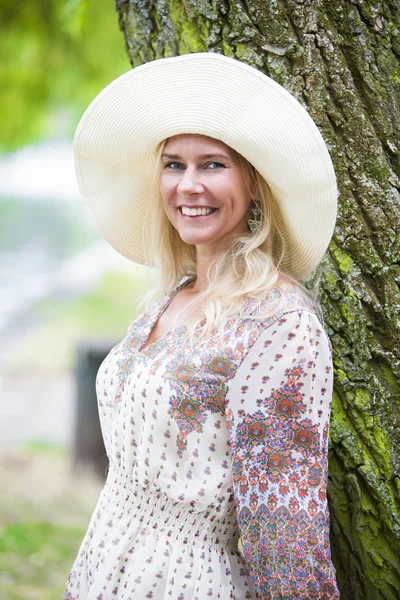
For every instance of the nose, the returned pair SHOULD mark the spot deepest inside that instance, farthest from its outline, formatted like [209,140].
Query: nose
[189,182]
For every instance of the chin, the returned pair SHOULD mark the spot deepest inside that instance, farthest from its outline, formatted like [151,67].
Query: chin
[197,240]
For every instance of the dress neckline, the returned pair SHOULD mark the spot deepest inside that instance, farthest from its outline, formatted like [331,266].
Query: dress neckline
[163,304]
[162,307]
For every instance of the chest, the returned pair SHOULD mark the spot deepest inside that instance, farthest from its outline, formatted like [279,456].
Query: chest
[174,387]
[178,368]
[180,311]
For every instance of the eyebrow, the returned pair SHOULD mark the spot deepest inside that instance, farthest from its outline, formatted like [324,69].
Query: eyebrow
[203,156]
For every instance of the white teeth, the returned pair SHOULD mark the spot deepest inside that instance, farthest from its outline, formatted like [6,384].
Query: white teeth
[196,212]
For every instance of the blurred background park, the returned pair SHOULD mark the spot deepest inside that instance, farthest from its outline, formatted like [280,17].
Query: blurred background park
[61,287]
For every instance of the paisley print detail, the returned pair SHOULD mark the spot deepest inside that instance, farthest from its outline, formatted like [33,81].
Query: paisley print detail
[302,556]
[279,467]
[200,386]
[208,443]
[199,389]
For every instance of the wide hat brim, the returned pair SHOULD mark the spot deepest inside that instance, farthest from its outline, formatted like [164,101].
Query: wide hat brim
[118,136]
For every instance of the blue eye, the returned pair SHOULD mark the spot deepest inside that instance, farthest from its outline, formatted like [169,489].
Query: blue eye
[216,165]
[174,166]
[177,166]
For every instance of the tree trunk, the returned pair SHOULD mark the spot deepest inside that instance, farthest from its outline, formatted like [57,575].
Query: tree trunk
[340,60]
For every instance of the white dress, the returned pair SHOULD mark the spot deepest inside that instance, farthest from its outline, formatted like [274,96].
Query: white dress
[207,443]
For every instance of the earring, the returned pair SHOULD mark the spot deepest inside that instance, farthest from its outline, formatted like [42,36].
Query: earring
[255,222]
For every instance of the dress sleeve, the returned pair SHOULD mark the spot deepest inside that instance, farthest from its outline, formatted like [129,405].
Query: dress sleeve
[278,408]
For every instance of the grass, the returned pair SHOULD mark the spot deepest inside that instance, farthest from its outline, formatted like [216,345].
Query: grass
[35,558]
[43,521]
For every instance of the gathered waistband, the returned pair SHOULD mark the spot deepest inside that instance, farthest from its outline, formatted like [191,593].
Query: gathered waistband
[153,509]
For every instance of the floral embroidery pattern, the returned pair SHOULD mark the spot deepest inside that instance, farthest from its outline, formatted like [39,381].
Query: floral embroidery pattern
[279,466]
[208,443]
[198,391]
[276,432]
[200,386]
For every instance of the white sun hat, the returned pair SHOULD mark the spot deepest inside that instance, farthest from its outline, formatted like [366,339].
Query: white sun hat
[117,139]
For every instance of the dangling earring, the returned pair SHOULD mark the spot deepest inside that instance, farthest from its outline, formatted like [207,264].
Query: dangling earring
[255,222]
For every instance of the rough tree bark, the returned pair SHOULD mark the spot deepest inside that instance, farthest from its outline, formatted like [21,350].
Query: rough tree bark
[340,60]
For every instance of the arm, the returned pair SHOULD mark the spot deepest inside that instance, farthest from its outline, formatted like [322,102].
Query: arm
[278,408]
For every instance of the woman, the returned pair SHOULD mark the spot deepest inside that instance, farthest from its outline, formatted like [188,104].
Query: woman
[215,407]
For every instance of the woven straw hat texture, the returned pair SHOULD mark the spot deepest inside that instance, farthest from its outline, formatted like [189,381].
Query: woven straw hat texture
[118,136]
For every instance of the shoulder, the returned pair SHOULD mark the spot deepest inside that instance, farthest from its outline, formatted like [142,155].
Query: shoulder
[281,299]
[287,307]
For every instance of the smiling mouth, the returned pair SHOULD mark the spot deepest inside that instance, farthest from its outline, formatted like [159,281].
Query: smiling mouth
[196,212]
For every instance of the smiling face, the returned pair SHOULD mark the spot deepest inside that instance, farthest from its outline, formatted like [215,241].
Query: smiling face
[204,190]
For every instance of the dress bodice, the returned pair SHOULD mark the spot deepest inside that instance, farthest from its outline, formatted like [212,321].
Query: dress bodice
[214,439]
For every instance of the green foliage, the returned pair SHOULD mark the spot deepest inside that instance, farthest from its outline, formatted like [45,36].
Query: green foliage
[55,57]
[32,553]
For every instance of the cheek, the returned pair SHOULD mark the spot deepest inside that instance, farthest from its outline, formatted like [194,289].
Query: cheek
[168,183]
[246,200]
[241,205]
[166,193]
[240,197]
[163,188]
[167,209]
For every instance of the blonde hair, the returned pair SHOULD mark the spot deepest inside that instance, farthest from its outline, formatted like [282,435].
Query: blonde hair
[248,267]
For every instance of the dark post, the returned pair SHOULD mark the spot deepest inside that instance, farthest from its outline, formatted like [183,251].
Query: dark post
[88,450]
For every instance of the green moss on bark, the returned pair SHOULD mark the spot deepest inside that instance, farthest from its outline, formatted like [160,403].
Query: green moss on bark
[340,59]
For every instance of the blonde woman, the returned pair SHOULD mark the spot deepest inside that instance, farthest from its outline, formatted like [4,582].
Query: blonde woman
[215,407]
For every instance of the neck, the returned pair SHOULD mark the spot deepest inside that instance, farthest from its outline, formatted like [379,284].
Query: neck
[204,258]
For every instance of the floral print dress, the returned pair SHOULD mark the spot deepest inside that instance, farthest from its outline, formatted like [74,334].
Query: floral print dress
[209,442]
